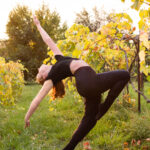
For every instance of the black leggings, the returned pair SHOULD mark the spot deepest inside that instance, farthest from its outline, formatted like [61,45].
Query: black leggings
[90,85]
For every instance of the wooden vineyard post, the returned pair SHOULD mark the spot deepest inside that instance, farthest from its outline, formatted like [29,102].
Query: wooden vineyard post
[139,82]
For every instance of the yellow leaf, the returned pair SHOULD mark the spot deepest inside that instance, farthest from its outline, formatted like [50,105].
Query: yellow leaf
[31,44]
[144,39]
[144,69]
[76,53]
[53,61]
[129,100]
[136,5]
[143,13]
[141,24]
[143,36]
[46,60]
[142,55]
[50,53]
[146,44]
[51,109]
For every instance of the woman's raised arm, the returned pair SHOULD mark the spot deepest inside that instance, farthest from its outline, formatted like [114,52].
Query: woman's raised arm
[46,38]
[36,101]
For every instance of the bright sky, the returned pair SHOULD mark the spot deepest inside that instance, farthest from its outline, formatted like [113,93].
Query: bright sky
[67,9]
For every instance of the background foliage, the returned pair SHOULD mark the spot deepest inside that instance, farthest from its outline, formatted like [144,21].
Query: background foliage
[11,81]
[101,49]
[107,44]
[25,42]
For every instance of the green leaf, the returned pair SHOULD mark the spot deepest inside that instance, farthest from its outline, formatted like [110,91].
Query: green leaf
[148,78]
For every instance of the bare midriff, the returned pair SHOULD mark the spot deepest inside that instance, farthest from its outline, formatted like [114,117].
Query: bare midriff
[76,64]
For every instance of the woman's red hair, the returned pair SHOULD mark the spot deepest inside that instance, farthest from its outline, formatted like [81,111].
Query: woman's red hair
[58,90]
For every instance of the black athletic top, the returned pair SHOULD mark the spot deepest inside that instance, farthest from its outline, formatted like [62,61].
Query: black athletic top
[61,69]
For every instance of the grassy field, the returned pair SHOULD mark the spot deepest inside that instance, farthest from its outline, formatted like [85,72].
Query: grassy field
[53,124]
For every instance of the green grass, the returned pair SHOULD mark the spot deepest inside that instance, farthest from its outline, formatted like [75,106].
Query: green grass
[51,130]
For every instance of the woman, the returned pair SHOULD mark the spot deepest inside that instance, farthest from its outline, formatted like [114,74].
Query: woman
[89,85]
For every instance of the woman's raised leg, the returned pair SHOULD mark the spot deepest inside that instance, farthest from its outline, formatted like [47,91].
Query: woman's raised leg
[115,81]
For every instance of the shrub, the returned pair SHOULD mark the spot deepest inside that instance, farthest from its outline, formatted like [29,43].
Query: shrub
[11,81]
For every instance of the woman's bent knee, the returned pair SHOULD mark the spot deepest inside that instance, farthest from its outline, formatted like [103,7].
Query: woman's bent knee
[126,75]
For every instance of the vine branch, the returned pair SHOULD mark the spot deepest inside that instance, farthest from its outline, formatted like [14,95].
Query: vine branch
[127,64]
[145,97]
[135,40]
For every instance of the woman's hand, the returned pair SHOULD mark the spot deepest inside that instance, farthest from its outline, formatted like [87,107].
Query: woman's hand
[35,20]
[27,123]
